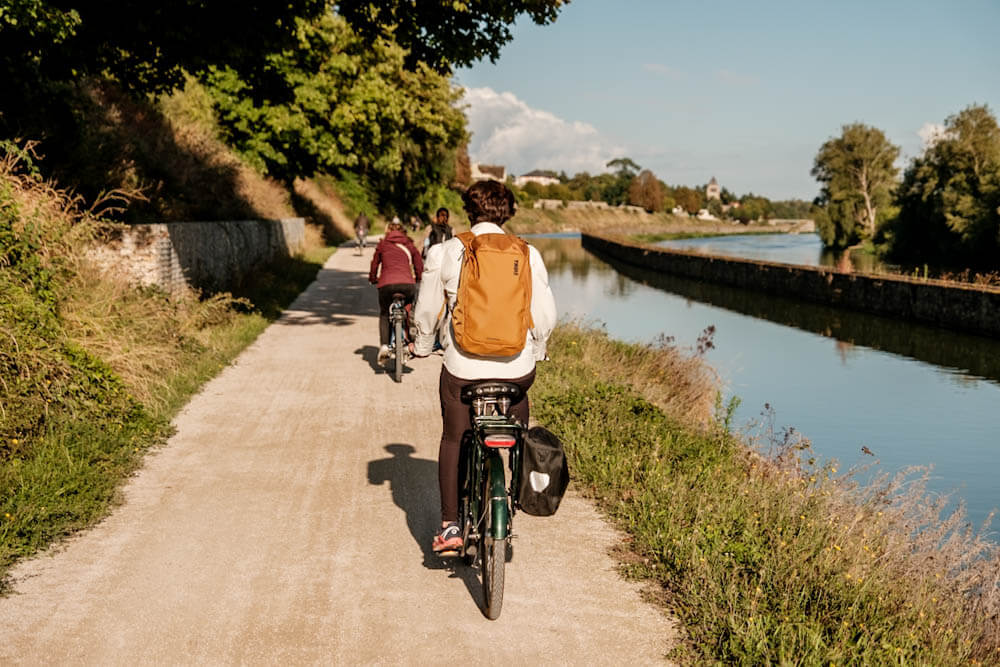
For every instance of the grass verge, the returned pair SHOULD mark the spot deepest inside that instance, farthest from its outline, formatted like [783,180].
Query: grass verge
[765,559]
[92,369]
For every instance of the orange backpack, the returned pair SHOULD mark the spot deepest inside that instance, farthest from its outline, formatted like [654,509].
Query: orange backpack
[492,313]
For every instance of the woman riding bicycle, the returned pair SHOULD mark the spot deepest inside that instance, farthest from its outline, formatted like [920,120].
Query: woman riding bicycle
[401,267]
[489,205]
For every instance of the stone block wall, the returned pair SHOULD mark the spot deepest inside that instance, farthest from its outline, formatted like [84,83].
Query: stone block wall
[971,308]
[211,256]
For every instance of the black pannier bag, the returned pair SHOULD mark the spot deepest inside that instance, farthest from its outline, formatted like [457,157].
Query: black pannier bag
[544,473]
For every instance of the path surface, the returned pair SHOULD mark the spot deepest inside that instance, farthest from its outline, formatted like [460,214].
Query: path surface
[289,520]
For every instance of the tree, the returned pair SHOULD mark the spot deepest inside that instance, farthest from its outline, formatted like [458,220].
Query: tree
[690,199]
[857,175]
[144,45]
[949,201]
[646,191]
[624,167]
[334,103]
[444,33]
[615,190]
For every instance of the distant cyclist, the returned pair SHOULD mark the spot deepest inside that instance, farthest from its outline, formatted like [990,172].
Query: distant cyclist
[489,205]
[396,268]
[361,226]
[440,230]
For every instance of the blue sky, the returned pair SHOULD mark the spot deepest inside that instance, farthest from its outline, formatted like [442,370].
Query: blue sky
[744,91]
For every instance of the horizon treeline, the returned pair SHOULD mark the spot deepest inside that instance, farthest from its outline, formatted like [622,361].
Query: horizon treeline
[632,185]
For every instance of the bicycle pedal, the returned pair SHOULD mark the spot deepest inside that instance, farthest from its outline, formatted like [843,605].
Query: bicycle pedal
[449,553]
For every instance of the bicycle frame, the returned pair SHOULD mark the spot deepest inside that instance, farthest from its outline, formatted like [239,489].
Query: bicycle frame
[486,463]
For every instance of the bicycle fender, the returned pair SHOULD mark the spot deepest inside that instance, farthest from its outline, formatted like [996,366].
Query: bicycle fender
[498,498]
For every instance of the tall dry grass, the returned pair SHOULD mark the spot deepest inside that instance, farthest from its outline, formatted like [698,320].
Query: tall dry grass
[764,554]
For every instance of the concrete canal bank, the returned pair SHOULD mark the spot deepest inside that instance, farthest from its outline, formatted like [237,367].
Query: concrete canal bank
[968,308]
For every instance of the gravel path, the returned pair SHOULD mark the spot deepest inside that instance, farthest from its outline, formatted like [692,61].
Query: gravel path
[289,520]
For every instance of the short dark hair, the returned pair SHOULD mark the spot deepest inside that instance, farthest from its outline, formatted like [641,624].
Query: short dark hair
[489,201]
[442,210]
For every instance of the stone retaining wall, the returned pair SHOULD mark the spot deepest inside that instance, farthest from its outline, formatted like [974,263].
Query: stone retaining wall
[211,256]
[964,307]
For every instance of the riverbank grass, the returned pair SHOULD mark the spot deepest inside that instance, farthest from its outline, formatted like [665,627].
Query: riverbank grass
[766,559]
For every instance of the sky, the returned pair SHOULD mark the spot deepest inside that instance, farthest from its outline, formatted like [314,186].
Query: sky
[743,91]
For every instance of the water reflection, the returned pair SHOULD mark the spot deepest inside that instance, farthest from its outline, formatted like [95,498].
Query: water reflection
[914,395]
[969,354]
[803,249]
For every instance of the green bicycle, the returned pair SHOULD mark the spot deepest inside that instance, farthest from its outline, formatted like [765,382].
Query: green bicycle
[486,503]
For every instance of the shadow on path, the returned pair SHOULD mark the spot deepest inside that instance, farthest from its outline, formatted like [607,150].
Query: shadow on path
[414,486]
[369,353]
[337,297]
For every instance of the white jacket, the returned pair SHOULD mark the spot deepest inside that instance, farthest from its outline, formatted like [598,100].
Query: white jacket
[439,285]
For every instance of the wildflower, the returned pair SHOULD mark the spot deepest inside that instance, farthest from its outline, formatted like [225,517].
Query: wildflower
[802,516]
[837,547]
[572,342]
[833,470]
[14,441]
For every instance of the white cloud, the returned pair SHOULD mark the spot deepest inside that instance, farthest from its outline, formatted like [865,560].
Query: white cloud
[663,70]
[507,131]
[931,133]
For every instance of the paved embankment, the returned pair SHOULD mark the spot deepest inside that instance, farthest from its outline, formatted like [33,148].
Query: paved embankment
[971,308]
[289,520]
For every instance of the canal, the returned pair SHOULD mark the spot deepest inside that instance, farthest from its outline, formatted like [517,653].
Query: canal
[913,395]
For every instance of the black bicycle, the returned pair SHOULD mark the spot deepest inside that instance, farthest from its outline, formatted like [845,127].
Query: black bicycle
[398,338]
[486,502]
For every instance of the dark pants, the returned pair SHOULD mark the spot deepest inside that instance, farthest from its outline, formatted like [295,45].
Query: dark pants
[409,290]
[457,419]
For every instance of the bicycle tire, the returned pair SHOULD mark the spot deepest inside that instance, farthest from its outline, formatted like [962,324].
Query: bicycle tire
[400,346]
[493,559]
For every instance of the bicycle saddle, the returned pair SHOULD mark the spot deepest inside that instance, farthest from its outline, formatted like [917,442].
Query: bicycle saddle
[398,295]
[492,390]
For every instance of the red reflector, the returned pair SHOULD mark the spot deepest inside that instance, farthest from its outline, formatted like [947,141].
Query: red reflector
[499,441]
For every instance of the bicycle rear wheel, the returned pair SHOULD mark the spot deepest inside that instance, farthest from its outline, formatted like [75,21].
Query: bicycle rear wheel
[400,346]
[493,559]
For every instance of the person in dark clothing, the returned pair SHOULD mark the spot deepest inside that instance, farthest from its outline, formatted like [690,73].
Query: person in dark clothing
[361,226]
[440,230]
[396,268]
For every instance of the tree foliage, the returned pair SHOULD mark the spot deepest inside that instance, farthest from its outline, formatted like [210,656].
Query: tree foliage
[691,200]
[143,45]
[335,103]
[950,196]
[646,191]
[445,33]
[857,173]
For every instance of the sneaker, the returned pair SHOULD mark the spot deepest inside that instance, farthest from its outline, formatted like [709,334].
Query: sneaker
[449,539]
[383,354]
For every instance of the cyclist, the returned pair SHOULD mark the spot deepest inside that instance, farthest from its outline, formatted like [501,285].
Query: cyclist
[489,205]
[440,230]
[361,226]
[401,267]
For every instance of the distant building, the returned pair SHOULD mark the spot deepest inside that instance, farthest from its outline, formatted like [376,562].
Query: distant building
[488,172]
[538,176]
[713,191]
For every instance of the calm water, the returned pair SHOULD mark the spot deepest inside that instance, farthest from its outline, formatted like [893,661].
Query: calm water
[804,249]
[914,395]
